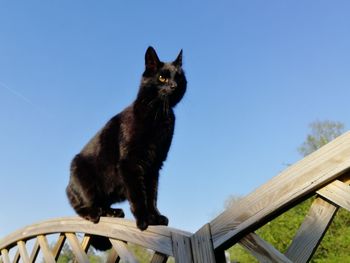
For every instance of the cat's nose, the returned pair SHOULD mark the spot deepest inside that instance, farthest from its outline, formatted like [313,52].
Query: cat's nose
[173,84]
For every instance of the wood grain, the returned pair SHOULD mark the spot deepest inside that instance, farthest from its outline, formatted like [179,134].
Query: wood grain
[262,250]
[123,251]
[159,258]
[58,246]
[317,172]
[5,256]
[78,251]
[281,192]
[311,231]
[35,251]
[202,246]
[182,248]
[23,251]
[48,257]
[17,257]
[338,193]
[85,243]
[157,238]
[113,256]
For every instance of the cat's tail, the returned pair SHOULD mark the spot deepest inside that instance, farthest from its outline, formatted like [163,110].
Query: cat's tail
[100,243]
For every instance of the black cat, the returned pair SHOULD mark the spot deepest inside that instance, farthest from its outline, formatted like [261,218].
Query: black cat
[122,161]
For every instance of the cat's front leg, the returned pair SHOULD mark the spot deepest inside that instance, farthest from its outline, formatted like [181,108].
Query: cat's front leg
[92,214]
[133,177]
[151,182]
[141,216]
[158,219]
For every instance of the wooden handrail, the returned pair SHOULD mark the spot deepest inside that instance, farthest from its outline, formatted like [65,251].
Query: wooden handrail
[325,173]
[282,192]
[157,238]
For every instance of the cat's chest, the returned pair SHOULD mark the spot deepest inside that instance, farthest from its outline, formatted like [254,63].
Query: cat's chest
[146,138]
[147,144]
[164,128]
[157,138]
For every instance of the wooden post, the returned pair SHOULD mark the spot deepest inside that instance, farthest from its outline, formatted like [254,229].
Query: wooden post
[202,247]
[181,248]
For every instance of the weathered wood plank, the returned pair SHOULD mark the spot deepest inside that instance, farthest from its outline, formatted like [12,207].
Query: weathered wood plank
[17,257]
[182,248]
[159,258]
[49,258]
[156,238]
[202,246]
[311,231]
[345,178]
[338,193]
[281,192]
[123,251]
[113,256]
[79,253]
[266,202]
[85,244]
[5,256]
[23,251]
[56,250]
[262,250]
[35,251]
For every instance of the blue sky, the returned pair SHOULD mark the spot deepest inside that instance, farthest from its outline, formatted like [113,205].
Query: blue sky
[258,73]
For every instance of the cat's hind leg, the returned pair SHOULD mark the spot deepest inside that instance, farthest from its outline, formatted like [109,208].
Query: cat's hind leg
[81,190]
[81,207]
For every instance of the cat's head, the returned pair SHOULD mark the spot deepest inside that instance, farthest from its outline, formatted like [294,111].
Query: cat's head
[161,80]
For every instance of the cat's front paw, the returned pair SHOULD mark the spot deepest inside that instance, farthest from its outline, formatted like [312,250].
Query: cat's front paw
[163,220]
[159,220]
[94,219]
[142,224]
[92,214]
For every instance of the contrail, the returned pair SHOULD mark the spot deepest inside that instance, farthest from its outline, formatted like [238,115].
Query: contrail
[17,94]
[24,98]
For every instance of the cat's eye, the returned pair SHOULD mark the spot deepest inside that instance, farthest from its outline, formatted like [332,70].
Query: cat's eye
[162,79]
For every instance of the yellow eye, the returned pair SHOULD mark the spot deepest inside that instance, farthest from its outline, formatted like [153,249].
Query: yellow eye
[162,79]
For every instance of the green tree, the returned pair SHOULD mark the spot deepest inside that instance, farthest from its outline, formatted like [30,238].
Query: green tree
[322,132]
[144,255]
[67,255]
[280,231]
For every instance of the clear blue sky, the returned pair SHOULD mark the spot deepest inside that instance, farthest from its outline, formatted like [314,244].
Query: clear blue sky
[258,73]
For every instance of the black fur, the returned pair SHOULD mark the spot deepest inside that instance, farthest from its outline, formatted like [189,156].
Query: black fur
[122,161]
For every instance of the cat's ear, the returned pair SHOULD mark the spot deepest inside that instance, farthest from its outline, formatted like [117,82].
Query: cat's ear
[151,60]
[178,60]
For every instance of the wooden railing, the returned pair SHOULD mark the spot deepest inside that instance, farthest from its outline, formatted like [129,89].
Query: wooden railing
[162,240]
[325,173]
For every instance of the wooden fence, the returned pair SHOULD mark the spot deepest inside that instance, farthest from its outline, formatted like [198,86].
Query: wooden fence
[325,173]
